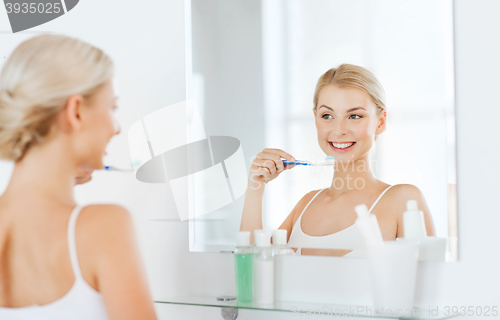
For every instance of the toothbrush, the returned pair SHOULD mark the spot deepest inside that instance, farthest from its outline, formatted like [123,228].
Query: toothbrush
[111,168]
[329,161]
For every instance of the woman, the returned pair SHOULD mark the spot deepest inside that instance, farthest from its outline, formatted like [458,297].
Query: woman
[57,259]
[349,110]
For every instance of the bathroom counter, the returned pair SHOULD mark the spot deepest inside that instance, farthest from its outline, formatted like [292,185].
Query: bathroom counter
[303,308]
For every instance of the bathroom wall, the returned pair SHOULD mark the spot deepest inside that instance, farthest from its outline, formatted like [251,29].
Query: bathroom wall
[147,43]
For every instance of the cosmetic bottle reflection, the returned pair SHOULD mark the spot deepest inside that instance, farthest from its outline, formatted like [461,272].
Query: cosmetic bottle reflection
[264,268]
[243,262]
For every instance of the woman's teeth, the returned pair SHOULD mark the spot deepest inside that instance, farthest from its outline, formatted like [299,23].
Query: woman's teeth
[342,145]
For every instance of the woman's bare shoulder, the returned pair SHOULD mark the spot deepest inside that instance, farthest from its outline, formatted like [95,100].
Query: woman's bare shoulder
[398,202]
[104,226]
[404,192]
[101,216]
[115,261]
[398,195]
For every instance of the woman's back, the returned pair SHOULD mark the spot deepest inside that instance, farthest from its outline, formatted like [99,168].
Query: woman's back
[42,269]
[61,262]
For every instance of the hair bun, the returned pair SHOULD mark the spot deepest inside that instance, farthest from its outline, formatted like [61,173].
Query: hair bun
[36,96]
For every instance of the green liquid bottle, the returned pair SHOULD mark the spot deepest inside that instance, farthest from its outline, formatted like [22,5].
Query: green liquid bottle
[243,263]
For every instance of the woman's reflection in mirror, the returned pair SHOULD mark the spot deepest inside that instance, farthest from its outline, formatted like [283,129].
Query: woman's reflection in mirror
[350,113]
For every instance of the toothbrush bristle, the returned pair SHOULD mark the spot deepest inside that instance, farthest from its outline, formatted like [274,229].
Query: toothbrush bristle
[330,159]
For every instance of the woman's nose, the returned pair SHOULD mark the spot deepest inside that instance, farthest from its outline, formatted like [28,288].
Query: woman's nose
[340,128]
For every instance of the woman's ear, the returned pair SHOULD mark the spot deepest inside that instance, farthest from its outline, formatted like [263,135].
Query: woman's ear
[382,120]
[315,119]
[71,117]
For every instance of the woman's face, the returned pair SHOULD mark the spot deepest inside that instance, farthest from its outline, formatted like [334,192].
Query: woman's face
[99,126]
[347,122]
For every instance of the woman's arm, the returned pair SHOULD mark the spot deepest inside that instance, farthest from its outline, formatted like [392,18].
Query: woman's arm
[410,192]
[252,212]
[266,166]
[117,263]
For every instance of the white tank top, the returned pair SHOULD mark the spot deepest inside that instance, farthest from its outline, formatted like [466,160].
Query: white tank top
[81,302]
[346,239]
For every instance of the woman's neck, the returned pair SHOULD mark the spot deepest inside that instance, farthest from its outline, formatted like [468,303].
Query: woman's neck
[43,175]
[354,175]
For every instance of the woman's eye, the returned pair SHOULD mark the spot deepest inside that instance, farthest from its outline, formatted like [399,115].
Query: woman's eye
[355,115]
[327,116]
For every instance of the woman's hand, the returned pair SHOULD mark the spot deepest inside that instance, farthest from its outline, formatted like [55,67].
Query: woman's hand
[83,175]
[266,167]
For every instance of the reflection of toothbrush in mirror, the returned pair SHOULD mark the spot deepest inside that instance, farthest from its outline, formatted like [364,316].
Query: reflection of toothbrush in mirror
[329,161]
[111,168]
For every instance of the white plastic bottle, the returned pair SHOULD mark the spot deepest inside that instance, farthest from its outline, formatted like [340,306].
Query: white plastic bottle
[263,268]
[280,247]
[413,222]
[368,226]
[430,248]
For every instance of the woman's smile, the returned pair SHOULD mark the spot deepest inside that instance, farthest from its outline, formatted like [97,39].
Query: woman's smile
[341,146]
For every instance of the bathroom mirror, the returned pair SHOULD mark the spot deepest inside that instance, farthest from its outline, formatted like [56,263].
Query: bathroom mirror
[252,68]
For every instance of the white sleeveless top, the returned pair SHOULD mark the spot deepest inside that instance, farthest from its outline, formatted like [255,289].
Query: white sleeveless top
[346,239]
[81,302]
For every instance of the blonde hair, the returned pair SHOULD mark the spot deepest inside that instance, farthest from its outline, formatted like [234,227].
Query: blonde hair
[352,76]
[36,81]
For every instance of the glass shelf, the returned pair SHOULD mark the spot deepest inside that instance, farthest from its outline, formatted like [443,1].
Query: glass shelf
[304,308]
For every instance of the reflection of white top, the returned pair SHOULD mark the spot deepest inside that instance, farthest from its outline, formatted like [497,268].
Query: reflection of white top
[347,239]
[79,303]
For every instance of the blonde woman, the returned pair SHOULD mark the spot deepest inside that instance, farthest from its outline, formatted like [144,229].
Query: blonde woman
[350,112]
[57,259]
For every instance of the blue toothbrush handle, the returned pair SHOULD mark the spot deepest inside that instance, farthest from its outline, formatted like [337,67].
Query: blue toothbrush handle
[297,163]
[110,168]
